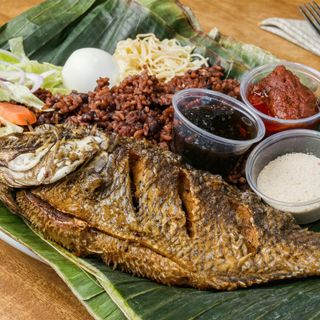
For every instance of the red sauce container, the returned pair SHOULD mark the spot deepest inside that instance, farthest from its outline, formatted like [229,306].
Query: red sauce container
[308,77]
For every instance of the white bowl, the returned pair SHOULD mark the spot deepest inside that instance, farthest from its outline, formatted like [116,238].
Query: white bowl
[297,140]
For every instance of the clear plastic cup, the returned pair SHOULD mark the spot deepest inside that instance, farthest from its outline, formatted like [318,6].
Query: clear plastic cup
[290,141]
[201,148]
[308,77]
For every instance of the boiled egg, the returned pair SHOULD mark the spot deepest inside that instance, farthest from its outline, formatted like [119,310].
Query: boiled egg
[85,66]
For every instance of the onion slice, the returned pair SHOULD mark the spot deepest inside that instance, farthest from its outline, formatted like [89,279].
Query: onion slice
[36,79]
[15,74]
[48,73]
[11,65]
[11,75]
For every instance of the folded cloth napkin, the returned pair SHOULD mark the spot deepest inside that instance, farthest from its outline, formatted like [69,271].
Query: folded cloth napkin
[296,31]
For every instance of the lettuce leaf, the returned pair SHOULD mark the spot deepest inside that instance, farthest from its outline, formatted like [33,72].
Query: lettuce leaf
[15,66]
[16,92]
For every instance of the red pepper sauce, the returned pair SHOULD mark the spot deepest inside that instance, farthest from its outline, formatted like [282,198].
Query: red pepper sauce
[281,95]
[259,102]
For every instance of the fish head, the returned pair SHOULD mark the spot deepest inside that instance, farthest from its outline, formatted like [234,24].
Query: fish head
[47,154]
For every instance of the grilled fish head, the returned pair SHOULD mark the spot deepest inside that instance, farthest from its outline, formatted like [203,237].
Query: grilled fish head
[46,155]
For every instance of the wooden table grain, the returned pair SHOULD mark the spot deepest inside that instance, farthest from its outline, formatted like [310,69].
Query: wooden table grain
[30,290]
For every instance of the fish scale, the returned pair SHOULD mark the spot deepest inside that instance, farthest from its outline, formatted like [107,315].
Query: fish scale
[146,212]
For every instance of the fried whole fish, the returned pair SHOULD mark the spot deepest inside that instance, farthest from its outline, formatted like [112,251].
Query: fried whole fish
[141,209]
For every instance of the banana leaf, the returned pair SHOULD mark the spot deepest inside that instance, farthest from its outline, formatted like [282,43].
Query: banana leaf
[51,32]
[55,28]
[139,298]
[83,284]
[249,54]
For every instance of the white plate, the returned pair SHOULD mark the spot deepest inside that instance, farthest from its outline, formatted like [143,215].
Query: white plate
[19,246]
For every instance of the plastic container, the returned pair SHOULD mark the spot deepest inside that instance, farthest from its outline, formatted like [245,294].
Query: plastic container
[205,150]
[298,140]
[308,77]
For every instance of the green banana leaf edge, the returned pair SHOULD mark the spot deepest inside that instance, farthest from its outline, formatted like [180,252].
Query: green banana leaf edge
[108,291]
[82,283]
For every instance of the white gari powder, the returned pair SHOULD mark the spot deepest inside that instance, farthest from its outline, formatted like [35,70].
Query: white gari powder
[293,177]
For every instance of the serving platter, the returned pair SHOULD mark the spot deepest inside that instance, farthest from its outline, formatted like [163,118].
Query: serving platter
[15,244]
[111,289]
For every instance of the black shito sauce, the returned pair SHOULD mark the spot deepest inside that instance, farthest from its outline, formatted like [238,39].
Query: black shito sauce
[220,120]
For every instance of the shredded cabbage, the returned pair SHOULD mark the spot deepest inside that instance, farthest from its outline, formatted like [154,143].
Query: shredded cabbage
[16,61]
[20,77]
[16,92]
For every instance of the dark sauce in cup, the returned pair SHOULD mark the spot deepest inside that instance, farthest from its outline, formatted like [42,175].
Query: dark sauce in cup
[199,149]
[222,120]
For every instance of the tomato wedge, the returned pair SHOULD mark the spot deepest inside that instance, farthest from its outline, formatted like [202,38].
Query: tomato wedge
[16,114]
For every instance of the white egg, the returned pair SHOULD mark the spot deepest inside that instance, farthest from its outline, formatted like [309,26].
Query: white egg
[85,66]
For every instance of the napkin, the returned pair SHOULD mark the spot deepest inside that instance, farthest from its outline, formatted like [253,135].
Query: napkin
[296,31]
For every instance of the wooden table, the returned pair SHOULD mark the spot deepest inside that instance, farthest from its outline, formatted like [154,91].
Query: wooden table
[31,290]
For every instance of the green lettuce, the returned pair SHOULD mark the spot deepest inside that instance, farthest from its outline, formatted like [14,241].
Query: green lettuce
[16,92]
[19,76]
[15,60]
